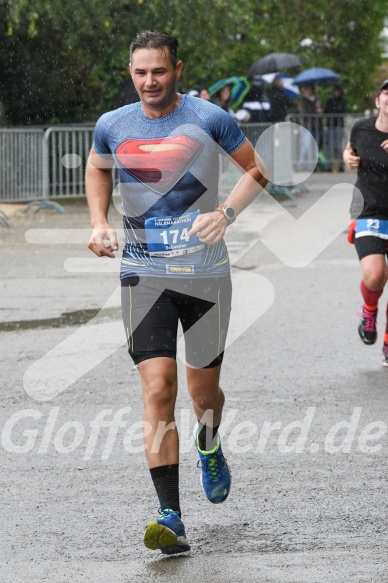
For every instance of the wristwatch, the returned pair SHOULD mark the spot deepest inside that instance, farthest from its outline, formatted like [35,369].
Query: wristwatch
[228,212]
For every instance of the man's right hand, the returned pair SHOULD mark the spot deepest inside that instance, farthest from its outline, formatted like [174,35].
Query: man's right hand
[350,158]
[103,242]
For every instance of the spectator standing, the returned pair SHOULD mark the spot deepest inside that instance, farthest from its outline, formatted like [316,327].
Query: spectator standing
[256,102]
[279,100]
[335,128]
[204,94]
[223,99]
[309,106]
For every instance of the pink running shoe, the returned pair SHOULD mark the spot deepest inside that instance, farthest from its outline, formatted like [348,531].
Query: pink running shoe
[367,326]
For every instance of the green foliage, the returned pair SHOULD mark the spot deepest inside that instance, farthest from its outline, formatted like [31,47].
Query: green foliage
[344,35]
[65,61]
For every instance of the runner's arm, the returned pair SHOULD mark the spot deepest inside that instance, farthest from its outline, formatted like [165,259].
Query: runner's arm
[99,186]
[210,227]
[254,177]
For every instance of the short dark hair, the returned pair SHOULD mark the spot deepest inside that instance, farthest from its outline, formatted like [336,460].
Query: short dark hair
[155,39]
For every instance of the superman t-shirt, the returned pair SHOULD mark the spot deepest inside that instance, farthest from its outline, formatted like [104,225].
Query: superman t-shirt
[169,172]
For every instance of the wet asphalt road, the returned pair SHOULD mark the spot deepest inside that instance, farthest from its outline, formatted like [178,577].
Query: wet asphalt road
[304,425]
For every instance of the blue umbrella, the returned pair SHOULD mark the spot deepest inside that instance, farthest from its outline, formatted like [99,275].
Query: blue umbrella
[315,75]
[239,88]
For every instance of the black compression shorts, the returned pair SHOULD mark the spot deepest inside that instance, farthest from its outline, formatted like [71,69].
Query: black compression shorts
[153,306]
[370,245]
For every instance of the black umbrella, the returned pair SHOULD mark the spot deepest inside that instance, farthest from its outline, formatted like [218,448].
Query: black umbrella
[274,62]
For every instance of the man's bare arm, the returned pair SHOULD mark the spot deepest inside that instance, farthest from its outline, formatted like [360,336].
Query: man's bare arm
[254,178]
[210,227]
[99,186]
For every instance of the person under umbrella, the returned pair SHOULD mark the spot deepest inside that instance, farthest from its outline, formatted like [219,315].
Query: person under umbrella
[279,100]
[224,99]
[256,102]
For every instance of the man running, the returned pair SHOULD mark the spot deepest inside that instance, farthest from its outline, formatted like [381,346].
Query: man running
[175,266]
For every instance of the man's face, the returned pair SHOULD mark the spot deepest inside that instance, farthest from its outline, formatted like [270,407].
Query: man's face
[155,78]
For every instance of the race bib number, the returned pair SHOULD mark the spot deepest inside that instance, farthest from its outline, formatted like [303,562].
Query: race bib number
[169,236]
[372,227]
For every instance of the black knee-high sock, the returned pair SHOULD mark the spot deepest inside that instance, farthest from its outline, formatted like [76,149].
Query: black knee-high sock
[206,437]
[166,482]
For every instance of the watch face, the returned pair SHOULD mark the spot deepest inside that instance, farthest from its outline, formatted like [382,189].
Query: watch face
[230,213]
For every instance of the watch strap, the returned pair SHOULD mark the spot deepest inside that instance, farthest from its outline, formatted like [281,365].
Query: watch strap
[222,208]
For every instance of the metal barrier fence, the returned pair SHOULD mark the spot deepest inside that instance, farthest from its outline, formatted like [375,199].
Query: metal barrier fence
[253,131]
[274,143]
[21,171]
[43,166]
[38,165]
[65,152]
[330,133]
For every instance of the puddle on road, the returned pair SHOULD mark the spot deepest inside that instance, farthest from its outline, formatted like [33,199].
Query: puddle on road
[66,319]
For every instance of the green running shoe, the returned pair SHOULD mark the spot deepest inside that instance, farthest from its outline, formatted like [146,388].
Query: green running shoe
[215,477]
[167,533]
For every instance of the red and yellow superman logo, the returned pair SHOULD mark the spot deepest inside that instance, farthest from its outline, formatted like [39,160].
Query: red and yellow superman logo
[159,163]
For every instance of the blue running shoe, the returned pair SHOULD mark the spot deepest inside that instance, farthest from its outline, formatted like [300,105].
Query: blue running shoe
[215,478]
[167,533]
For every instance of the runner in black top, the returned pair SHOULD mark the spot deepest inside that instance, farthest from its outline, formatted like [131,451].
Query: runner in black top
[367,151]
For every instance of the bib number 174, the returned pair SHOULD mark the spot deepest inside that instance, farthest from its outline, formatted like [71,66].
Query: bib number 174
[168,236]
[173,236]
